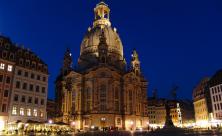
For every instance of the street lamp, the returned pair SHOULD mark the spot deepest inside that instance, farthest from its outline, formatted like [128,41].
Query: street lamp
[103,119]
[50,121]
[131,122]
[73,123]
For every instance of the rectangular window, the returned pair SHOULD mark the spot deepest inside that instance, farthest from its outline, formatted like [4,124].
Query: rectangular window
[43,89]
[44,79]
[14,110]
[23,99]
[38,77]
[17,84]
[9,68]
[42,102]
[118,121]
[3,107]
[37,88]
[6,92]
[41,114]
[19,72]
[30,100]
[1,78]
[8,80]
[35,113]
[36,101]
[24,87]
[29,113]
[2,66]
[30,87]
[32,76]
[22,112]
[16,97]
[26,74]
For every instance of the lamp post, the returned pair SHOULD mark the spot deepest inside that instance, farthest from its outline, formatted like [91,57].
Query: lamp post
[148,126]
[50,121]
[131,123]
[103,121]
[73,125]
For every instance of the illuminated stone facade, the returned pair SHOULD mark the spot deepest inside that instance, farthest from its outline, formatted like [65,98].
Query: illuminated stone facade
[202,103]
[23,84]
[181,112]
[101,91]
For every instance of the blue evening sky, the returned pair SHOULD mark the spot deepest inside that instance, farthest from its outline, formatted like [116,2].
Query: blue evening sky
[178,41]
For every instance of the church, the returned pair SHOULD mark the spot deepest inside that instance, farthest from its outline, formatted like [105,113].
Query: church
[102,91]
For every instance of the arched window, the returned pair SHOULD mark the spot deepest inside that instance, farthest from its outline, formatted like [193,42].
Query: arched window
[4,54]
[20,61]
[7,45]
[33,64]
[27,63]
[11,57]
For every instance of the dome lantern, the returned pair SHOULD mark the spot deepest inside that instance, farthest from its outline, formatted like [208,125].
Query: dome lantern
[102,14]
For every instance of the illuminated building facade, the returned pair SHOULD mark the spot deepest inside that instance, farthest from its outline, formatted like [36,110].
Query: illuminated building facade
[101,91]
[156,112]
[181,112]
[215,85]
[6,76]
[202,103]
[23,84]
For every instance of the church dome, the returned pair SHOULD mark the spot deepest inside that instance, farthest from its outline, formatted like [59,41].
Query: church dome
[89,52]
[91,41]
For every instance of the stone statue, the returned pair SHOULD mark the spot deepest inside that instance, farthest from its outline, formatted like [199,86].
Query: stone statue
[168,122]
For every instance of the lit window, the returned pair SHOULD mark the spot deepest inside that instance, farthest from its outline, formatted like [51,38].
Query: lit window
[41,114]
[10,68]
[2,66]
[22,112]
[14,110]
[28,112]
[35,112]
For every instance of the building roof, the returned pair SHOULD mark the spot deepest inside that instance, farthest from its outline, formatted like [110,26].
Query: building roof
[216,79]
[12,52]
[201,90]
